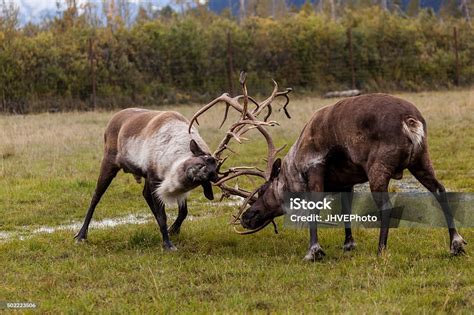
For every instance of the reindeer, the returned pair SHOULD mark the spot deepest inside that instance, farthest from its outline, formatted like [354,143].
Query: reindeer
[156,146]
[365,138]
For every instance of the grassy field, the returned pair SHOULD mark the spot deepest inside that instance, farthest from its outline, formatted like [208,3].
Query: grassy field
[48,168]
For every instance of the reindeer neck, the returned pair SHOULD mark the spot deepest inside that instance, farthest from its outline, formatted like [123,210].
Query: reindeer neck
[290,179]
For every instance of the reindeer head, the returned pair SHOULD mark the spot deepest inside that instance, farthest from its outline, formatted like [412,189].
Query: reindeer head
[264,207]
[267,206]
[201,169]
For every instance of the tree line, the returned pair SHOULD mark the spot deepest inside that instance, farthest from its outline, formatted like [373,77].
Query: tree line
[75,61]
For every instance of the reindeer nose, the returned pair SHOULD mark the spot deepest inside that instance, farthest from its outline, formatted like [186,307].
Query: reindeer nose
[213,177]
[247,218]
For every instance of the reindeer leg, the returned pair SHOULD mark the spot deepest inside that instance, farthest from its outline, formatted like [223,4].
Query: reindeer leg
[346,201]
[424,173]
[315,251]
[158,209]
[107,173]
[315,184]
[379,178]
[182,213]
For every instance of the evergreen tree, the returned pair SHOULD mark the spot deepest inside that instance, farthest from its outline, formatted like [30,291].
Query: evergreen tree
[307,7]
[413,7]
[450,8]
[466,7]
[142,15]
[397,6]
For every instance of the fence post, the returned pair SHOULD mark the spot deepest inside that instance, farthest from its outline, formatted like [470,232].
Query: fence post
[351,57]
[230,64]
[92,70]
[456,49]
[4,103]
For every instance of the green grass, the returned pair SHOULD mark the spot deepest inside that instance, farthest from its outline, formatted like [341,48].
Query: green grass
[48,167]
[125,270]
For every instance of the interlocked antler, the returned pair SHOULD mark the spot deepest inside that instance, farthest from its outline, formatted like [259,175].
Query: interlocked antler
[248,121]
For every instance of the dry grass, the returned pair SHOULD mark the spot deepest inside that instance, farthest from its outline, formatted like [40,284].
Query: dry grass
[54,138]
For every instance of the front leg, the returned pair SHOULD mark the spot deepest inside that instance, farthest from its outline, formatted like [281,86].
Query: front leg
[346,202]
[182,213]
[158,209]
[315,251]
[315,178]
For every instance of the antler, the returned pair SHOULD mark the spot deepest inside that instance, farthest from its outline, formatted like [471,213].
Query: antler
[248,121]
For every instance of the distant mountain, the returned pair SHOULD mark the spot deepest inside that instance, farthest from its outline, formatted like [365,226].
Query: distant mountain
[220,5]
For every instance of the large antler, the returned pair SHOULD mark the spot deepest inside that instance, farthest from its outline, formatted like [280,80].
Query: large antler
[248,120]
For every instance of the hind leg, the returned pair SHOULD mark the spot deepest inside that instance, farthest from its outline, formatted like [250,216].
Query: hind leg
[379,178]
[182,213]
[107,173]
[424,173]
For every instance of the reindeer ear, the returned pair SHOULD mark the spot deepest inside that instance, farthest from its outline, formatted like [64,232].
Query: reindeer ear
[275,169]
[195,149]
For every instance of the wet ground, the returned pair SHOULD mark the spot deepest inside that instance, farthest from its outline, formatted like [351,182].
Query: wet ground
[407,184]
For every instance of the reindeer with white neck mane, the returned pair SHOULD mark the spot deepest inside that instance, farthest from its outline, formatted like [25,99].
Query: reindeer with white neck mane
[156,146]
[366,138]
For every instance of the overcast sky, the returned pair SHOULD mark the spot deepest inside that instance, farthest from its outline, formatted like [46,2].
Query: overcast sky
[34,10]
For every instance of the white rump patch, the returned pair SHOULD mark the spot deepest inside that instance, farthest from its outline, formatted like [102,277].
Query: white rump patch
[414,130]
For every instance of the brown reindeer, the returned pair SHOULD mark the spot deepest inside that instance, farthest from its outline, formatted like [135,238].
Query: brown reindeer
[155,145]
[366,138]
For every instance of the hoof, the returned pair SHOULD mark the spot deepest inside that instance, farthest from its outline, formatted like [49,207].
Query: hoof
[382,250]
[315,253]
[457,246]
[349,246]
[169,247]
[173,230]
[80,238]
